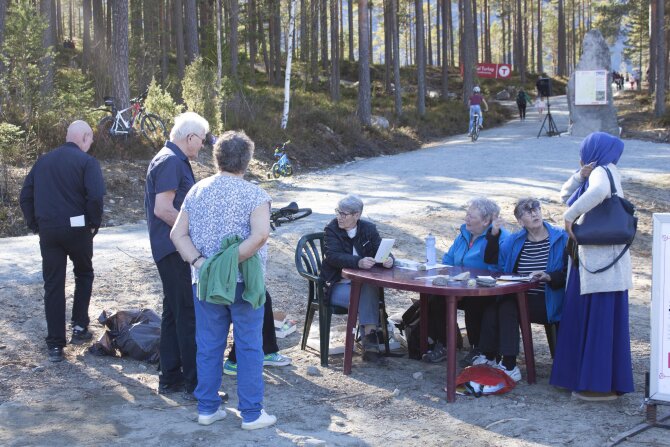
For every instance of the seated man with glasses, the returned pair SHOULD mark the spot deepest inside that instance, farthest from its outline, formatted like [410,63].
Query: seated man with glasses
[352,243]
[537,250]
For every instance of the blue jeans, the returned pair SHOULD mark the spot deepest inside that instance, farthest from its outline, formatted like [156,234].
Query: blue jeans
[475,110]
[368,305]
[212,322]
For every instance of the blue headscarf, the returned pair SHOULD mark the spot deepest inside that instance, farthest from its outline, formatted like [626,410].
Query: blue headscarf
[601,148]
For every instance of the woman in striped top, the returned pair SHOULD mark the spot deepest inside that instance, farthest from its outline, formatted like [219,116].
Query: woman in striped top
[537,250]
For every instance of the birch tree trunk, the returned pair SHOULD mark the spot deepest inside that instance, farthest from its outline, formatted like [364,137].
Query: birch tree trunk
[289,59]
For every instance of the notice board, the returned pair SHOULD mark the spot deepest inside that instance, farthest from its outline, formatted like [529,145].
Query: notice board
[591,87]
[659,372]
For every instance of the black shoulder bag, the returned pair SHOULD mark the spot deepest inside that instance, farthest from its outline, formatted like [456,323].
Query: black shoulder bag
[612,222]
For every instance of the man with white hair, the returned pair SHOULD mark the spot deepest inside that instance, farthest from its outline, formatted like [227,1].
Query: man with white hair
[62,201]
[169,178]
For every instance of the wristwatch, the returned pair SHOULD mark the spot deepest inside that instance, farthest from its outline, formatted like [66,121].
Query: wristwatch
[196,260]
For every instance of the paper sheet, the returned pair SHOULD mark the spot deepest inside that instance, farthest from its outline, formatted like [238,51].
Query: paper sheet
[384,250]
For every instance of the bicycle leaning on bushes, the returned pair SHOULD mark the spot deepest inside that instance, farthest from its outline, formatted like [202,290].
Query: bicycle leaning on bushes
[116,125]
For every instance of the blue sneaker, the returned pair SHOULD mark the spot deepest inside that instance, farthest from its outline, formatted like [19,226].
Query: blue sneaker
[229,368]
[275,359]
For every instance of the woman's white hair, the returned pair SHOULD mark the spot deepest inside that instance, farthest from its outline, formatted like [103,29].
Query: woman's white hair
[486,207]
[188,123]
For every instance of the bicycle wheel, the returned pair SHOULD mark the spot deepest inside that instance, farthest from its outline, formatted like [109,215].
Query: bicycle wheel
[286,217]
[153,129]
[105,136]
[289,170]
[275,170]
[475,130]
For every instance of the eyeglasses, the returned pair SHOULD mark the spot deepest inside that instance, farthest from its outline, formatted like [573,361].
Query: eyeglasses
[342,214]
[202,140]
[531,207]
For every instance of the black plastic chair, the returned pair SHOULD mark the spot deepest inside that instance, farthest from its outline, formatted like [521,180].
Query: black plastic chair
[308,259]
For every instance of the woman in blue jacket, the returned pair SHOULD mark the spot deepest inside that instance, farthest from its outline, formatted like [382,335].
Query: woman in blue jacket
[466,251]
[537,250]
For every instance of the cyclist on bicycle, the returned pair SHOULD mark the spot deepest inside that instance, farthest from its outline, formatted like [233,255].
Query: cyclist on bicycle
[475,102]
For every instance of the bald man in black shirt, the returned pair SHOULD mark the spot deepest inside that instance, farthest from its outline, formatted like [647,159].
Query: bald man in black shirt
[62,201]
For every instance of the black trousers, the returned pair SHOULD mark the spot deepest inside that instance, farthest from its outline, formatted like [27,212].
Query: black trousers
[177,344]
[500,324]
[56,245]
[269,335]
[473,308]
[522,111]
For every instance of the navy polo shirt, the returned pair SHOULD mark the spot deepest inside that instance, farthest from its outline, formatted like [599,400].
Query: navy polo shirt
[169,170]
[65,182]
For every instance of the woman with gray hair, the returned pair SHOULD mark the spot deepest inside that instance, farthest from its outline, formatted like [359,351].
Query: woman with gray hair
[222,230]
[352,243]
[538,251]
[466,251]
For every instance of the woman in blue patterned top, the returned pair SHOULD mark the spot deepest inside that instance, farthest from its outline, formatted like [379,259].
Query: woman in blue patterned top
[218,209]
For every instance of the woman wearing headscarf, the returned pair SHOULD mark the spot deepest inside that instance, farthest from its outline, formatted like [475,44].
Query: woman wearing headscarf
[593,350]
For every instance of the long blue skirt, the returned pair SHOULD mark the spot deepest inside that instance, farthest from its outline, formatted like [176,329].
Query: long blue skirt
[593,346]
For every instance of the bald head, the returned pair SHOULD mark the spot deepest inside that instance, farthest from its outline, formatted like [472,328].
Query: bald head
[81,134]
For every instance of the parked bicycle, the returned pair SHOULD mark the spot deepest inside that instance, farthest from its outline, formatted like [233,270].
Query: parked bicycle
[474,134]
[283,166]
[287,214]
[127,122]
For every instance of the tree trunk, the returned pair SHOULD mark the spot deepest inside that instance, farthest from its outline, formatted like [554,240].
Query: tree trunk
[450,24]
[561,68]
[350,15]
[165,39]
[232,37]
[253,43]
[364,96]
[474,31]
[468,51]
[420,61]
[304,36]
[119,61]
[324,33]
[446,14]
[520,43]
[430,37]
[289,55]
[314,46]
[388,46]
[219,56]
[661,59]
[264,48]
[540,55]
[57,17]
[334,51]
[438,31]
[191,29]
[653,45]
[47,65]
[276,17]
[108,28]
[98,30]
[396,58]
[178,17]
[86,43]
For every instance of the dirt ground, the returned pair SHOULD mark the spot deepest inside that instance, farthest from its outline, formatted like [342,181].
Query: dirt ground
[89,400]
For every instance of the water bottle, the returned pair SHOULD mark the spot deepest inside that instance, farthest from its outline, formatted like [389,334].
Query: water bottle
[430,249]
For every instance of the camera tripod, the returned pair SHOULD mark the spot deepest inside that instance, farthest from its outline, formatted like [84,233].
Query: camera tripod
[552,130]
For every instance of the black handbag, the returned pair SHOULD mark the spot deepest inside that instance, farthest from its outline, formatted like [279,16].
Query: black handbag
[612,222]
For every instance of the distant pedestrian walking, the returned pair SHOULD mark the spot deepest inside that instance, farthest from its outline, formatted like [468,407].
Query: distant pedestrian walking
[522,100]
[62,201]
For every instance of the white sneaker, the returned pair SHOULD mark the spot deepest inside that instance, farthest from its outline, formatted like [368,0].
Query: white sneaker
[209,419]
[514,374]
[482,360]
[264,420]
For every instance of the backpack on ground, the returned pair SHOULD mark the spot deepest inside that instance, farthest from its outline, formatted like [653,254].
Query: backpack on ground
[409,326]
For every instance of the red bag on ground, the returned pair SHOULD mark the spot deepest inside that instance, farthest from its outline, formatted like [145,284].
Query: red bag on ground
[482,380]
